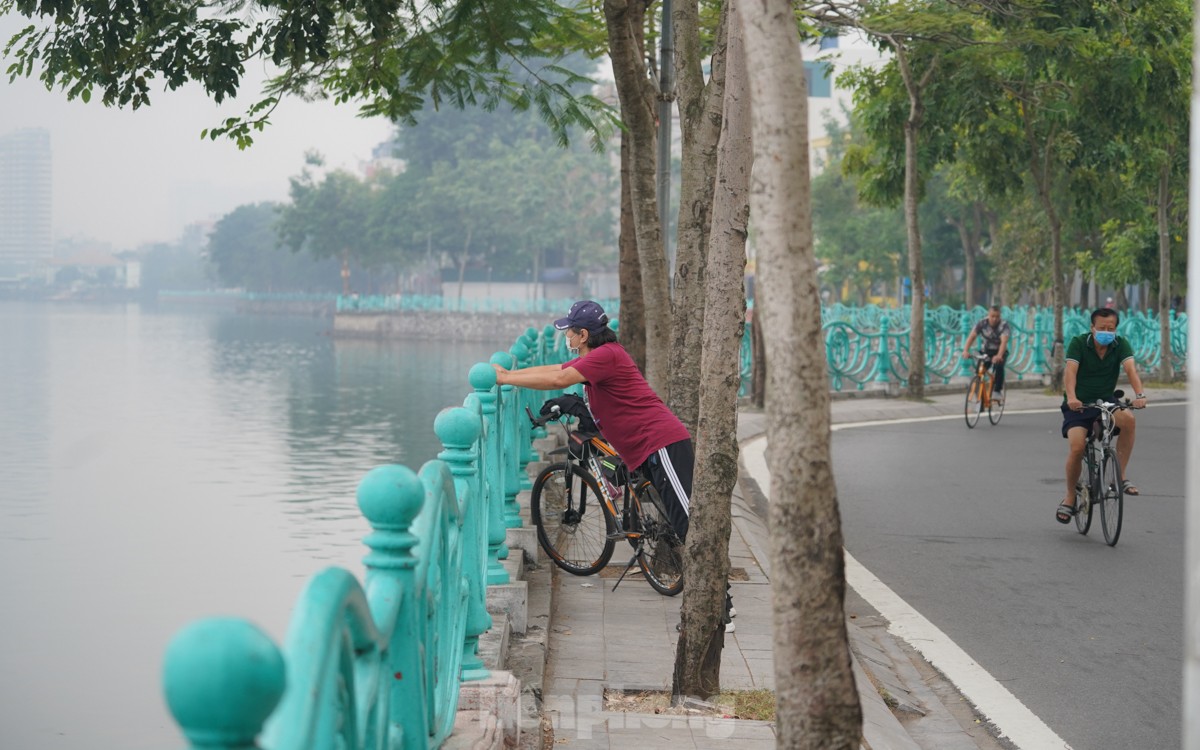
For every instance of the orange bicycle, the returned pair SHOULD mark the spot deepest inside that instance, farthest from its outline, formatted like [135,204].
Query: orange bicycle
[979,393]
[583,503]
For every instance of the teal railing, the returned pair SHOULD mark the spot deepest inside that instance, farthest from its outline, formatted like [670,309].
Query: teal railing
[870,346]
[379,664]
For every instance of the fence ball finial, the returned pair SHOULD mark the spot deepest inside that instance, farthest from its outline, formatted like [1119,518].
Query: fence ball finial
[457,427]
[390,497]
[504,359]
[482,377]
[520,350]
[222,678]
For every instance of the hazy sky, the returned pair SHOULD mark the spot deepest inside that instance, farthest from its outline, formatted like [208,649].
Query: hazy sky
[130,177]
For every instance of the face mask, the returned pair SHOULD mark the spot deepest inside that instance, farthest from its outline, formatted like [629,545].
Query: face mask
[1104,338]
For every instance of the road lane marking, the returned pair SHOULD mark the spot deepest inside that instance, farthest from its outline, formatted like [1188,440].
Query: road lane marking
[1011,717]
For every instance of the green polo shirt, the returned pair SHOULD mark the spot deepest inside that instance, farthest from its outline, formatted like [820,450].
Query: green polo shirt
[1096,377]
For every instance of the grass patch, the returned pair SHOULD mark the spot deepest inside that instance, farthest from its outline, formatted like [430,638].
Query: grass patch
[756,705]
[752,705]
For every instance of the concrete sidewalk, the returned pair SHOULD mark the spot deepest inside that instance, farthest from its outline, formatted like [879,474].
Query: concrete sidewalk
[599,639]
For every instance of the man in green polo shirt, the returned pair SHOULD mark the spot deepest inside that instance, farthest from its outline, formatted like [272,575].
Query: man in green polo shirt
[1094,362]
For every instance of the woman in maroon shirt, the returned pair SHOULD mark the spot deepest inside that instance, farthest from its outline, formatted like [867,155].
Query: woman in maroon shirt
[628,412]
[645,433]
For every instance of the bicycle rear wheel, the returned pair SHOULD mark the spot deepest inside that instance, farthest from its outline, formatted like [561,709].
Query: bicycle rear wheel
[660,553]
[572,524]
[1112,503]
[1083,500]
[974,405]
[995,410]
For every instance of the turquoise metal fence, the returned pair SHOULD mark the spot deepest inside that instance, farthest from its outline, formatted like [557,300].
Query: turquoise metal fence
[379,664]
[869,347]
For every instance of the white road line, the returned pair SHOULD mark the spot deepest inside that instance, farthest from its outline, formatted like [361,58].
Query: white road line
[1010,716]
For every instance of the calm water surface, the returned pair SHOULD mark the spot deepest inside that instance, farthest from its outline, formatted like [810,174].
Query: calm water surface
[158,467]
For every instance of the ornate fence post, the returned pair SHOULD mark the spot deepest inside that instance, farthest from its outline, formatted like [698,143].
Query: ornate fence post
[460,430]
[883,368]
[390,497]
[222,678]
[1042,335]
[484,383]
[523,351]
[965,368]
[510,440]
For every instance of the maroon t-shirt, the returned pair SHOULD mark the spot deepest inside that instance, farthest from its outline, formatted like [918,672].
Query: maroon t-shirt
[628,412]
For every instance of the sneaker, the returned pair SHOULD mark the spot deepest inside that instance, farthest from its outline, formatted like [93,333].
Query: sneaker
[732,613]
[998,398]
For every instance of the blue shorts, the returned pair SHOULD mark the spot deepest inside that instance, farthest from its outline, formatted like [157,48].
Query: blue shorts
[1072,418]
[1083,419]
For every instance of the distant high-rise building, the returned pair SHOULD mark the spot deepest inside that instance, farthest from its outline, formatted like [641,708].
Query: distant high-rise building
[25,201]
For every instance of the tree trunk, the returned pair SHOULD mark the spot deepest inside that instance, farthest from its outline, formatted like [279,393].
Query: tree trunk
[699,129]
[1166,368]
[629,271]
[1041,166]
[964,239]
[706,558]
[816,698]
[758,360]
[916,273]
[624,21]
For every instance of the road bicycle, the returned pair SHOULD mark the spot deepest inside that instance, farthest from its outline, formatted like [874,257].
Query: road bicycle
[979,393]
[1101,482]
[581,505]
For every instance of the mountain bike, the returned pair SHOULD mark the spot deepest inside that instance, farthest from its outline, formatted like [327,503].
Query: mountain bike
[1104,484]
[582,504]
[979,393]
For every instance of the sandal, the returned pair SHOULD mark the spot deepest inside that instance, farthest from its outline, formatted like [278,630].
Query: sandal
[1065,513]
[1129,488]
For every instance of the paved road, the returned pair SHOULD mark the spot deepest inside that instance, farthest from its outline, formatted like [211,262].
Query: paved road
[960,524]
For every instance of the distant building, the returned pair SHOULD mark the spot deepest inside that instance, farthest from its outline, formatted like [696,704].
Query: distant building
[825,59]
[25,203]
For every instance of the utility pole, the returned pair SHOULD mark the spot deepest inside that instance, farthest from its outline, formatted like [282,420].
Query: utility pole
[666,97]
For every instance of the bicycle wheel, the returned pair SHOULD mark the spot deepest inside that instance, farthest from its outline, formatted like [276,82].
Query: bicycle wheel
[974,405]
[1112,503]
[572,525]
[660,553]
[1083,500]
[995,410]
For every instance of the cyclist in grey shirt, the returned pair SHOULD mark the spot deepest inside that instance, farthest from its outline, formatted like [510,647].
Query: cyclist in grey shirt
[993,333]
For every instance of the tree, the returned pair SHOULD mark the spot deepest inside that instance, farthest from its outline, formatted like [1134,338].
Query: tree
[706,556]
[245,250]
[921,35]
[700,125]
[817,702]
[392,56]
[328,217]
[637,92]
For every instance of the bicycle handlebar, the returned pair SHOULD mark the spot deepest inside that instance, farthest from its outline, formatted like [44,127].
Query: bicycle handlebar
[554,415]
[1117,404]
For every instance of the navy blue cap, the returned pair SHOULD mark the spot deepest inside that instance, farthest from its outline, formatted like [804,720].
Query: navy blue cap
[584,314]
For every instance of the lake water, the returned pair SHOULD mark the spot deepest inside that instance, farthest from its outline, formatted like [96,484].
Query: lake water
[157,467]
